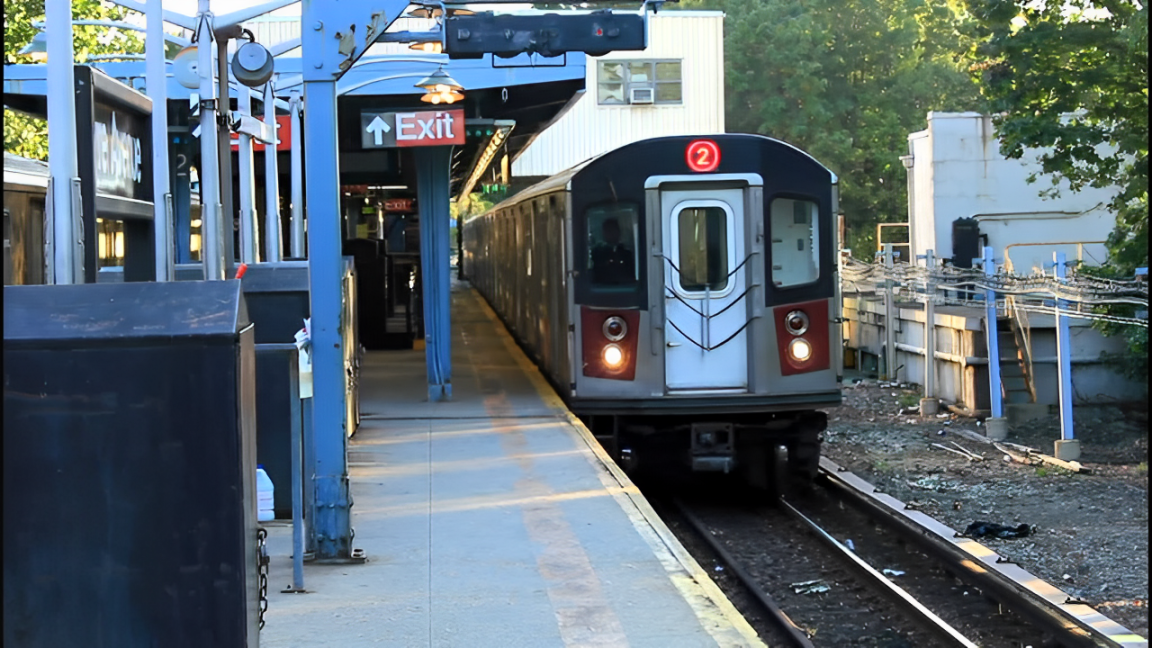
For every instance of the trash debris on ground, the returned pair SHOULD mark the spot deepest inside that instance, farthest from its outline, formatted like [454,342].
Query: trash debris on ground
[719,568]
[811,587]
[979,529]
[848,543]
[892,572]
[967,455]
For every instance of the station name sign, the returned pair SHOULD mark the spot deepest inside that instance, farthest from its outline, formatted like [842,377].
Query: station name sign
[415,128]
[119,154]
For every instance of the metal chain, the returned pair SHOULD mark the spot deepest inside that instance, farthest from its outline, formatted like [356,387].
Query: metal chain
[263,560]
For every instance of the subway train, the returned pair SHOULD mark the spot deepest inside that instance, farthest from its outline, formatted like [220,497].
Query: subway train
[680,293]
[25,191]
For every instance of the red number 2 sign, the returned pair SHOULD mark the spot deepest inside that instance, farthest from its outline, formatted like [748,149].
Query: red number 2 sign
[703,156]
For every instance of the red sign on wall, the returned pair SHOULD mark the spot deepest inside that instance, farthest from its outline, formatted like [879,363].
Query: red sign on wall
[703,155]
[284,132]
[399,205]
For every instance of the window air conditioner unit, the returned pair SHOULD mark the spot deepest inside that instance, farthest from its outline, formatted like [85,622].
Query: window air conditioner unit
[641,96]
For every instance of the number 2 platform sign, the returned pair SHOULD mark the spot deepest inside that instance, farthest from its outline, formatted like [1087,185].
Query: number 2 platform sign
[703,155]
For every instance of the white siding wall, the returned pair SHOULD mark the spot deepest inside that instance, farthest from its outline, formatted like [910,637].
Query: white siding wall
[271,30]
[589,129]
[958,172]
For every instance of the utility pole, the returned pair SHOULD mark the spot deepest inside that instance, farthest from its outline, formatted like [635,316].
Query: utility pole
[273,246]
[929,405]
[64,254]
[157,81]
[211,217]
[889,315]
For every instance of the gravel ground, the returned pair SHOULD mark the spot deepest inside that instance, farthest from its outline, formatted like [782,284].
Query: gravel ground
[1091,530]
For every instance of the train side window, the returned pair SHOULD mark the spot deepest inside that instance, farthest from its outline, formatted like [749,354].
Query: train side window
[703,249]
[612,234]
[794,228]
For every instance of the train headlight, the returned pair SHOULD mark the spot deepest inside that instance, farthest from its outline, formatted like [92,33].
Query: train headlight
[615,328]
[796,322]
[800,350]
[613,356]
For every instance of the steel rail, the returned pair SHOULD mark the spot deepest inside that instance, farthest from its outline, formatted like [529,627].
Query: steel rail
[797,636]
[922,615]
[1007,582]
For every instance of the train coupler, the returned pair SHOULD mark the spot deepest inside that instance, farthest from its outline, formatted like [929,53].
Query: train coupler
[713,447]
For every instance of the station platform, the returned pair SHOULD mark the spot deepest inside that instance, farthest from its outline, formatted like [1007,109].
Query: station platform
[494,519]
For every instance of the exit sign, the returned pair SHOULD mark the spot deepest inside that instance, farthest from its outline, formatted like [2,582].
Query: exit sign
[399,205]
[283,133]
[417,128]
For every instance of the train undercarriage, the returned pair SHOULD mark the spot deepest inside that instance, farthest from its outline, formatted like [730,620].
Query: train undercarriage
[774,452]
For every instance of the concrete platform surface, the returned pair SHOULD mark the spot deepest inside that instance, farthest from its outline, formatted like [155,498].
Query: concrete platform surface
[492,520]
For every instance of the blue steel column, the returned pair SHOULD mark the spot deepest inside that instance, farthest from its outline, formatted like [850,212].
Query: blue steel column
[433,193]
[333,524]
[994,393]
[1063,351]
[181,196]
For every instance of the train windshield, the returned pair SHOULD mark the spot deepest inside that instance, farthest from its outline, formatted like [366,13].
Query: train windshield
[612,234]
[795,242]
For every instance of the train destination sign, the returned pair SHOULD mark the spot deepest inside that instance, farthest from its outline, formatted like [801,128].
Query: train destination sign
[417,128]
[703,155]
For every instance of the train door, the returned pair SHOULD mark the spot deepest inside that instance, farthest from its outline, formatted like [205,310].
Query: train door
[706,341]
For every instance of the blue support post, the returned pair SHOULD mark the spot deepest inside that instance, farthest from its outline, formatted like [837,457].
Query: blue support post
[1063,354]
[180,157]
[994,395]
[433,193]
[333,522]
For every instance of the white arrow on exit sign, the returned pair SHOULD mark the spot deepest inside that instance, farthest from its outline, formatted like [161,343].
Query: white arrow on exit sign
[377,129]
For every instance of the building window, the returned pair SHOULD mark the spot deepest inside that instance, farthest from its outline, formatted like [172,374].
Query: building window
[639,82]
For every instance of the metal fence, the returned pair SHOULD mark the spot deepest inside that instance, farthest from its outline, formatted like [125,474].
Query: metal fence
[1064,291]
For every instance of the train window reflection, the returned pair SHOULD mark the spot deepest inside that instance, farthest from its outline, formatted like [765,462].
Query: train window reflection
[109,243]
[703,249]
[795,242]
[612,234]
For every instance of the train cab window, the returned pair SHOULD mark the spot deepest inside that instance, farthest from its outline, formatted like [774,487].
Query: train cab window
[795,242]
[702,248]
[612,234]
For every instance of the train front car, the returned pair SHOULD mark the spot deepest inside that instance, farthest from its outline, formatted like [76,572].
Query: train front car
[704,292]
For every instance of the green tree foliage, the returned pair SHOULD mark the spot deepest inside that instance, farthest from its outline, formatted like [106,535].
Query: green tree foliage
[847,82]
[25,134]
[1071,78]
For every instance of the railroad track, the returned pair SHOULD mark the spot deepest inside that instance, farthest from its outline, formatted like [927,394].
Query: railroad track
[957,592]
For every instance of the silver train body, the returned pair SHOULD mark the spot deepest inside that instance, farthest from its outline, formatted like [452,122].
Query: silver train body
[680,294]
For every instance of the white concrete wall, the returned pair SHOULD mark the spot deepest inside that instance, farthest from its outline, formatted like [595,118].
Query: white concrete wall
[589,129]
[958,172]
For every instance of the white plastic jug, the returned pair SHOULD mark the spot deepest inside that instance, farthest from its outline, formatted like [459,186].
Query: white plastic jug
[265,493]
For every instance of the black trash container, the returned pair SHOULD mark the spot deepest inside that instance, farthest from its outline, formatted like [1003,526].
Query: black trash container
[129,466]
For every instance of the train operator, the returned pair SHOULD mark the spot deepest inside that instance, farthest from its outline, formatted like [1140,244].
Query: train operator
[612,262]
